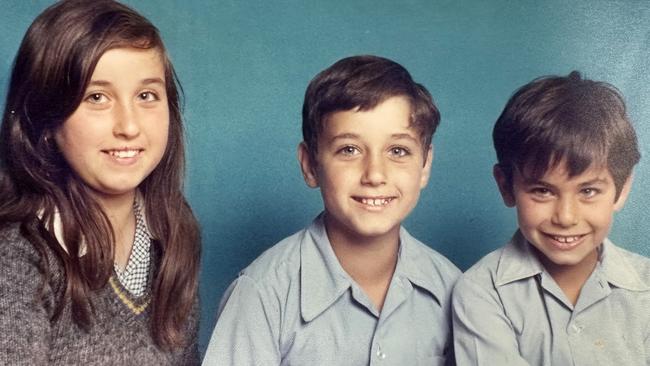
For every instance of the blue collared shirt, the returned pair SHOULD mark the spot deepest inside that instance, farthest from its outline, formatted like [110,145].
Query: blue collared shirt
[295,305]
[507,310]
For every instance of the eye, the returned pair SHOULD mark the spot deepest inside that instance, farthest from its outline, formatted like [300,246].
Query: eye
[96,98]
[541,192]
[399,151]
[589,192]
[349,150]
[148,96]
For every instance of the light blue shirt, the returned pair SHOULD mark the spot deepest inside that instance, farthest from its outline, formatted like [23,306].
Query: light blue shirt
[295,305]
[507,310]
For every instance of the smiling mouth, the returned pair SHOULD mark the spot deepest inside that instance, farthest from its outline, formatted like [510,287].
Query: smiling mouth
[374,202]
[566,241]
[123,153]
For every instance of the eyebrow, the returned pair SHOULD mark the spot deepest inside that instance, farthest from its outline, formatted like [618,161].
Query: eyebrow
[594,181]
[395,136]
[147,81]
[343,136]
[399,136]
[591,182]
[153,81]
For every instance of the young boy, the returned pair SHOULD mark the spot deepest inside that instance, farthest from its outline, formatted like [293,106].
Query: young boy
[559,293]
[354,288]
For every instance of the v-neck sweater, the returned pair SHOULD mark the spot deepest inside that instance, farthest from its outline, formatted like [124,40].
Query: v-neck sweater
[120,331]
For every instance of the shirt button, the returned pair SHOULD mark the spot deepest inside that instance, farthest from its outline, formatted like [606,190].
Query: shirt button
[381,355]
[576,328]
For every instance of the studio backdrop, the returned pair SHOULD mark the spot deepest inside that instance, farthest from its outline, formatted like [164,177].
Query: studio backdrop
[244,67]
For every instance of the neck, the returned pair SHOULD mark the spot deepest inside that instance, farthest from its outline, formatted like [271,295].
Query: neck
[119,210]
[370,261]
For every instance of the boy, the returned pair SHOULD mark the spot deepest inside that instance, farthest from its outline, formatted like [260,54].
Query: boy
[559,293]
[354,288]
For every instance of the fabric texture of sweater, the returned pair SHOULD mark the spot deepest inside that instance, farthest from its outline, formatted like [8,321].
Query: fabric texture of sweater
[120,332]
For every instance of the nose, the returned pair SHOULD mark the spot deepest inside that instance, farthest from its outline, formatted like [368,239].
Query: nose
[374,172]
[566,212]
[125,121]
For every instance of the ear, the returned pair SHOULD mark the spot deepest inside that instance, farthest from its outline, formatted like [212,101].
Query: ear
[505,187]
[307,166]
[622,197]
[426,169]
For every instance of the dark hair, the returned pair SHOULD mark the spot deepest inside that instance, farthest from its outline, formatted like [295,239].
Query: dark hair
[51,71]
[363,82]
[556,119]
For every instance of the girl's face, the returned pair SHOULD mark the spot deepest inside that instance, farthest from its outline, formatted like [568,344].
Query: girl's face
[118,134]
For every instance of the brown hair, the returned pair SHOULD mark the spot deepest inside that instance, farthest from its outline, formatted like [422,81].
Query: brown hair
[556,119]
[363,82]
[51,71]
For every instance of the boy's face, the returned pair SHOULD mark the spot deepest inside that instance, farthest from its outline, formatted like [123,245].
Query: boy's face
[370,167]
[565,218]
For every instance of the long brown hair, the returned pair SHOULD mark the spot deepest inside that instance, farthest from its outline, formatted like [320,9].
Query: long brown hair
[51,71]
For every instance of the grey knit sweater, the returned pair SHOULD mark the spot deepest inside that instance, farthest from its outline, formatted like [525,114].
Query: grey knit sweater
[120,334]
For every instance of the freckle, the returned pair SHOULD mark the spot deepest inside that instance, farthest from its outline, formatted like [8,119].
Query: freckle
[600,343]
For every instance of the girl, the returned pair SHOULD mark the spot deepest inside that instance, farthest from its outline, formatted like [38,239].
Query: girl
[99,251]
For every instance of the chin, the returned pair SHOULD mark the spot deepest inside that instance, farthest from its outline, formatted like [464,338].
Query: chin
[375,232]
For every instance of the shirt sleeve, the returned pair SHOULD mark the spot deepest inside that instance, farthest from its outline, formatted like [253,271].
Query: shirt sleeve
[247,330]
[24,320]
[483,334]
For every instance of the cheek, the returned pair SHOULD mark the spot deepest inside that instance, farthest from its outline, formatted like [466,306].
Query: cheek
[333,176]
[601,217]
[158,126]
[163,138]
[408,176]
[529,214]
[72,142]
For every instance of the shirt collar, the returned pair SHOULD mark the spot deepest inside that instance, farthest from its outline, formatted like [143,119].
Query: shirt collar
[618,271]
[58,225]
[323,280]
[517,261]
[415,267]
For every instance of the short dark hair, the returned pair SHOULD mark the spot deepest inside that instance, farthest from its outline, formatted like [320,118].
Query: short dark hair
[363,82]
[570,119]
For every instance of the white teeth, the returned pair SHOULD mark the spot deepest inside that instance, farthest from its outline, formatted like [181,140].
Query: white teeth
[123,154]
[375,201]
[566,239]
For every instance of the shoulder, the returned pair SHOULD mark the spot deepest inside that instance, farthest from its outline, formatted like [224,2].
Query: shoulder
[10,232]
[427,257]
[638,264]
[486,266]
[14,246]
[22,260]
[28,272]
[481,275]
[280,260]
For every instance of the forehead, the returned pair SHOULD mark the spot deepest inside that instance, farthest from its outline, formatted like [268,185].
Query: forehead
[130,61]
[562,173]
[392,116]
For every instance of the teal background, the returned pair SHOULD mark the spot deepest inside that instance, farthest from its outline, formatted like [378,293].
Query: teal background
[244,66]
